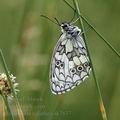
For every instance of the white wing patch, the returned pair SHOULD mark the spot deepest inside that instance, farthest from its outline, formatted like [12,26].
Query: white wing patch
[76,60]
[70,64]
[69,46]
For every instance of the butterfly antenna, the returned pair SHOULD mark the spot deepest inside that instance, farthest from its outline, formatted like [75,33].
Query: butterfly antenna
[57,21]
[50,19]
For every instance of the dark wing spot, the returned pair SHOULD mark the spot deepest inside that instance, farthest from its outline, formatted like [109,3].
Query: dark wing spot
[86,64]
[73,70]
[58,63]
[79,68]
[62,65]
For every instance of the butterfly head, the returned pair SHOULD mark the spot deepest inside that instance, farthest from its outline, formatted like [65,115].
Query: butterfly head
[69,28]
[65,26]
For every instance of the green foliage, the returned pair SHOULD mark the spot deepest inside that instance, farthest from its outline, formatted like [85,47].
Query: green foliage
[27,41]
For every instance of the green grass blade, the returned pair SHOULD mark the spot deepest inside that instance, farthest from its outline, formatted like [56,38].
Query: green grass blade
[102,108]
[95,30]
[20,113]
[7,106]
[7,72]
[101,36]
[3,110]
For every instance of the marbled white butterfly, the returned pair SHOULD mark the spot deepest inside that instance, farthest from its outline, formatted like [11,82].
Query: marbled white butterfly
[70,64]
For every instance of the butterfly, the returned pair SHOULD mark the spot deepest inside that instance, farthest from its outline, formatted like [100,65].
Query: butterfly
[70,64]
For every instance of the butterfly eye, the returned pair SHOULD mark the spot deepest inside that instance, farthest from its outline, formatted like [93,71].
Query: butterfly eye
[57,63]
[73,70]
[80,68]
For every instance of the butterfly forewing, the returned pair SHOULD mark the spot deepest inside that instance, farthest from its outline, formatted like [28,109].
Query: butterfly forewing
[70,63]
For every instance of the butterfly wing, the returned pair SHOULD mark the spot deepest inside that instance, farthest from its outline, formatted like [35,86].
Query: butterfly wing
[70,64]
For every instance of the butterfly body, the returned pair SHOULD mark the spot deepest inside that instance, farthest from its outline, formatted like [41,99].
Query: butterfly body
[70,63]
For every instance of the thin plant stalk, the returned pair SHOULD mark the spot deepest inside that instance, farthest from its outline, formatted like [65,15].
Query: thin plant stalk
[5,102]
[3,109]
[103,112]
[95,30]
[20,113]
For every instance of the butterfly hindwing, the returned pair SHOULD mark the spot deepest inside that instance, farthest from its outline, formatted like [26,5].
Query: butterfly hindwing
[70,63]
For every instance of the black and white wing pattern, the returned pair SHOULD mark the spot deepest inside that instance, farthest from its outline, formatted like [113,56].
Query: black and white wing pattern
[70,63]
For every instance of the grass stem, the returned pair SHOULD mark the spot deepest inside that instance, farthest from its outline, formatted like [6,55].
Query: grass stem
[20,113]
[10,116]
[95,30]
[3,109]
[102,108]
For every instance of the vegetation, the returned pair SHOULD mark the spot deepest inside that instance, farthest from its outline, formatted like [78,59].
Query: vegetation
[27,41]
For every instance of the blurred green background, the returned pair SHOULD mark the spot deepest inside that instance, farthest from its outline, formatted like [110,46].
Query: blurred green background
[27,41]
